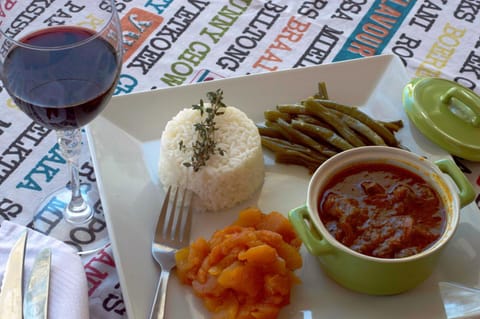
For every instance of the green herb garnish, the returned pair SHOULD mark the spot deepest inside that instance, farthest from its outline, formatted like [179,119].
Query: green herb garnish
[205,145]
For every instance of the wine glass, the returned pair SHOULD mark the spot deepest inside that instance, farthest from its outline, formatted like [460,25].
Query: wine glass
[60,62]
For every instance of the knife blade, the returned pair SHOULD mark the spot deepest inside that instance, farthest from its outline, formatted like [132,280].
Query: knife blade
[12,283]
[35,303]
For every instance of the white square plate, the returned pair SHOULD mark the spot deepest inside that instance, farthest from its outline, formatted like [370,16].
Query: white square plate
[124,141]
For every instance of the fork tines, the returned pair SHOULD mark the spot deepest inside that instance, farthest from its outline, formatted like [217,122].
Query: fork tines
[178,218]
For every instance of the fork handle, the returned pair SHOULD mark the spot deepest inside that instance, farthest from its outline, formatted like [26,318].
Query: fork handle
[158,307]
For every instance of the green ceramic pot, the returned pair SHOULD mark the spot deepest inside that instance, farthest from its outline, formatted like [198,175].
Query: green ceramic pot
[371,275]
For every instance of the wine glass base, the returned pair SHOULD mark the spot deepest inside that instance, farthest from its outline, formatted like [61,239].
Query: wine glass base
[87,237]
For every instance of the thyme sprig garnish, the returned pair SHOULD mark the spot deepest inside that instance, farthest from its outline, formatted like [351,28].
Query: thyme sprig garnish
[204,145]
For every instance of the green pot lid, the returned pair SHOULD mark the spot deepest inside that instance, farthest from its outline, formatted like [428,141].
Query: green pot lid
[447,113]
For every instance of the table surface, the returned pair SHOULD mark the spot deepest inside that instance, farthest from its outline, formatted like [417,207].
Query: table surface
[169,43]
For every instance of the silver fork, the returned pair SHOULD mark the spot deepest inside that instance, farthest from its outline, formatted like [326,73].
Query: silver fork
[172,232]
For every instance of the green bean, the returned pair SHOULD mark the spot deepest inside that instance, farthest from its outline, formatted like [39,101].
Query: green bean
[271,124]
[313,120]
[278,145]
[295,136]
[283,133]
[297,158]
[354,112]
[273,115]
[325,134]
[317,109]
[369,134]
[292,109]
[393,126]
[309,132]
[269,131]
[322,91]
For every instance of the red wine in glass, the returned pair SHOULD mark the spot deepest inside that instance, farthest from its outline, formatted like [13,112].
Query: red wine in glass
[57,88]
[62,72]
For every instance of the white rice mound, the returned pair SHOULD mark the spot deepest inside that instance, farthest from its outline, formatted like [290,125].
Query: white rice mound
[226,180]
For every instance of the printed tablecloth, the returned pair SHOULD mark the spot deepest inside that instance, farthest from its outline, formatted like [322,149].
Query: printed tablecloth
[176,42]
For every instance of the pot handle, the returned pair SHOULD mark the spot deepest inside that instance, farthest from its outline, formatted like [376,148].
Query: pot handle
[313,241]
[469,102]
[466,192]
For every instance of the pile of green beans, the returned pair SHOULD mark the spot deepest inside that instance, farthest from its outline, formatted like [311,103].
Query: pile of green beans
[310,132]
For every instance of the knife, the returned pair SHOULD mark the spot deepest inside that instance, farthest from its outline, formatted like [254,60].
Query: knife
[11,293]
[35,304]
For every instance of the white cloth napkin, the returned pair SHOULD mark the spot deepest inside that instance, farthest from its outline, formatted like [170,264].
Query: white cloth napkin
[68,296]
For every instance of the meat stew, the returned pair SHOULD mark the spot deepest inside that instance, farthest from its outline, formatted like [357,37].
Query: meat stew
[382,210]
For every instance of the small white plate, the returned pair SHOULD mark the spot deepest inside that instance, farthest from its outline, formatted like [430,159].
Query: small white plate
[124,142]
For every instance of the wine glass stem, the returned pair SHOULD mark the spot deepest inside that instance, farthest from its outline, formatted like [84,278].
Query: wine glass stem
[77,211]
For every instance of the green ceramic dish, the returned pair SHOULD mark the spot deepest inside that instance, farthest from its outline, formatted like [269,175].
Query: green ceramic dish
[371,275]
